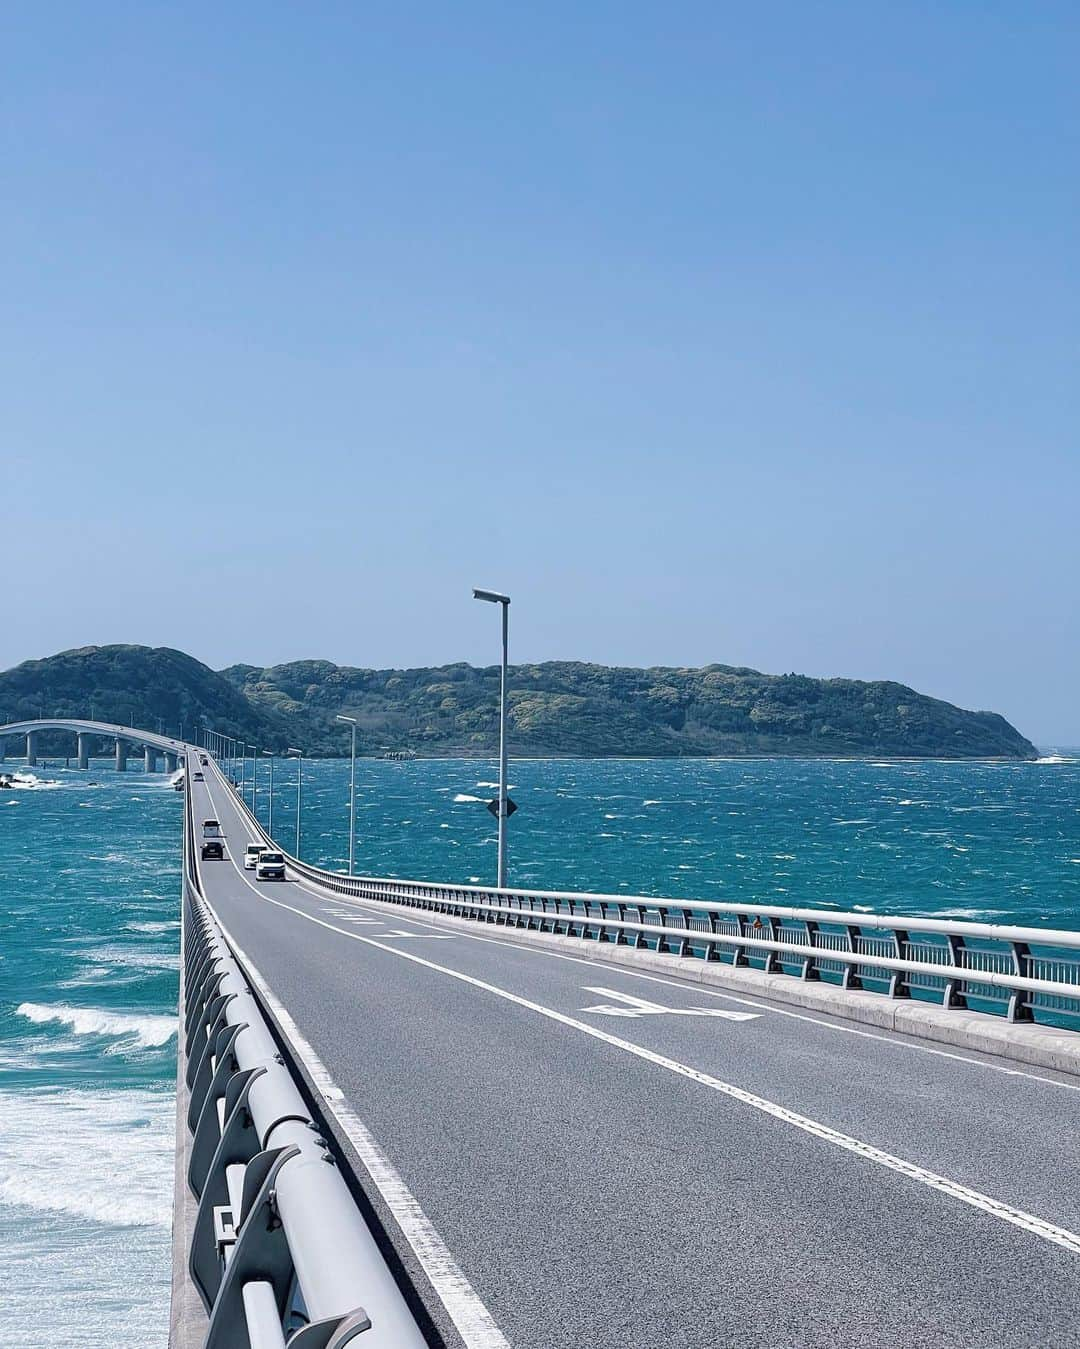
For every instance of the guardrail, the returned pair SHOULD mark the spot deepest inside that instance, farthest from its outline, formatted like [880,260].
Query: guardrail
[280,1253]
[1022,973]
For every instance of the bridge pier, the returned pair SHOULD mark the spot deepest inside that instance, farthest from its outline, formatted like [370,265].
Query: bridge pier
[84,750]
[31,749]
[149,759]
[121,755]
[170,762]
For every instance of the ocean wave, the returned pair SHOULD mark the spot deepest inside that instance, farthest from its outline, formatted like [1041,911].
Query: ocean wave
[165,926]
[146,1030]
[30,782]
[464,796]
[103,1156]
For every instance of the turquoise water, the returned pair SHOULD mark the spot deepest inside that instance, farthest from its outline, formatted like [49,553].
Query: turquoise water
[90,866]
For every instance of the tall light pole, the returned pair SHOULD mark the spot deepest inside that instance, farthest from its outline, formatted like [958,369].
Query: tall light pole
[243,771]
[254,781]
[299,789]
[270,821]
[352,794]
[493,597]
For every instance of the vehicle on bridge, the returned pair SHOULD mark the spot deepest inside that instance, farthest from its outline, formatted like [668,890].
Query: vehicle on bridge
[213,850]
[270,867]
[251,855]
[198,777]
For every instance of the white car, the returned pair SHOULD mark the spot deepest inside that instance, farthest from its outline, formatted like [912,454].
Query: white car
[251,855]
[270,867]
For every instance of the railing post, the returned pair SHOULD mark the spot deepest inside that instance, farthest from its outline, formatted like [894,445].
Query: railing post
[952,995]
[897,983]
[851,978]
[1019,1010]
[810,969]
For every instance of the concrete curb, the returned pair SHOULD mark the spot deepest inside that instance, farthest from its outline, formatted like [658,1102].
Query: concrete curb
[1036,1046]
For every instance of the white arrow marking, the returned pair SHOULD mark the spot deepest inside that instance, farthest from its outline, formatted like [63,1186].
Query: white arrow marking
[640,1007]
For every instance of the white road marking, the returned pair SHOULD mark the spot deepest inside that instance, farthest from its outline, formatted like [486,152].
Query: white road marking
[422,936]
[1028,1222]
[640,1007]
[472,1319]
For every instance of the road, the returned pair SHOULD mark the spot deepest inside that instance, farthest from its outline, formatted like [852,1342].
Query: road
[610,1160]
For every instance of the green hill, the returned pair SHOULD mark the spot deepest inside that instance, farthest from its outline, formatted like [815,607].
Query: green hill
[556,708]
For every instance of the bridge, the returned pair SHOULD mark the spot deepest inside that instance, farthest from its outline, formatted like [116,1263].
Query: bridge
[415,1113]
[86,732]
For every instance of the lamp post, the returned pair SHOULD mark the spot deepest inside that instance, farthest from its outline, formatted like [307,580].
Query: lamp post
[299,789]
[254,781]
[352,794]
[493,597]
[270,820]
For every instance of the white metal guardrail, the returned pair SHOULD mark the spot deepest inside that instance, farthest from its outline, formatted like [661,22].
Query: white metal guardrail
[280,1252]
[1023,973]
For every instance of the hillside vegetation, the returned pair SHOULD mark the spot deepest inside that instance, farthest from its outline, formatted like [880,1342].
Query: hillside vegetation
[556,708]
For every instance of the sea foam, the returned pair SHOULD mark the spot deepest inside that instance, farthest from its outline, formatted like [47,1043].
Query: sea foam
[144,1030]
[104,1156]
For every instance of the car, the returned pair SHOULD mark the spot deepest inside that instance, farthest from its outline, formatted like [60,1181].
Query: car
[213,850]
[202,759]
[270,866]
[211,829]
[198,778]
[251,855]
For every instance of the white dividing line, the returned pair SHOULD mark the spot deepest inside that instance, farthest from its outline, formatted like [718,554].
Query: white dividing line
[1027,1222]
[472,1319]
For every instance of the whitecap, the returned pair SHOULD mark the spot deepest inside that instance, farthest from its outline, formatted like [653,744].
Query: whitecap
[463,796]
[146,1030]
[103,1156]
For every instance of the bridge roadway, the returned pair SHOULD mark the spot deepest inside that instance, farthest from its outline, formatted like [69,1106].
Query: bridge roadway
[676,1177]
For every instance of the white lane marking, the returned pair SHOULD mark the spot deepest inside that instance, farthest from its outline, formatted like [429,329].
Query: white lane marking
[472,1319]
[640,1007]
[995,1208]
[898,1039]
[422,936]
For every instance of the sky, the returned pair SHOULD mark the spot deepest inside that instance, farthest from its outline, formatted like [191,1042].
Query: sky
[710,332]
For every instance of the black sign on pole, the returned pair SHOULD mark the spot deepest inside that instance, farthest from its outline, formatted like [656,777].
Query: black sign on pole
[493,806]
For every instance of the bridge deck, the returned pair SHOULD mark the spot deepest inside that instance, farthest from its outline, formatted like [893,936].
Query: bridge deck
[675,1176]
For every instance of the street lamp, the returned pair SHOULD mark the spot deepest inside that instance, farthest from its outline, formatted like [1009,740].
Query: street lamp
[299,789]
[254,782]
[493,597]
[352,793]
[270,820]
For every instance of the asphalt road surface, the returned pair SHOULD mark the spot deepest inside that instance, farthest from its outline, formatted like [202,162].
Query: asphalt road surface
[628,1161]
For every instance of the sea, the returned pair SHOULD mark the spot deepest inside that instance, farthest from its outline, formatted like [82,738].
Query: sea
[89,938]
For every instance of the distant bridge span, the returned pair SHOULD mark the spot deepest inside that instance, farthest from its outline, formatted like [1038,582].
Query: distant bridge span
[85,731]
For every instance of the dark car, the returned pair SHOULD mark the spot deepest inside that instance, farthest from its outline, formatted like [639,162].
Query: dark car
[213,850]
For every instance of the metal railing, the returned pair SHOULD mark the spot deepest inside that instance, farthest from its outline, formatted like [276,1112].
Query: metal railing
[280,1252]
[1023,973]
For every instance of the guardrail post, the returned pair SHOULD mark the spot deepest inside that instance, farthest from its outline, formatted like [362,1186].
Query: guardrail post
[851,977]
[897,985]
[1019,1010]
[810,969]
[953,994]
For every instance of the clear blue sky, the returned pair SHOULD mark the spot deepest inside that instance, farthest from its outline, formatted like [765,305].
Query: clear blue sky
[712,332]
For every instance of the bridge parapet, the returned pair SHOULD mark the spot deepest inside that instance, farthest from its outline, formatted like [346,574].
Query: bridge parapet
[276,1247]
